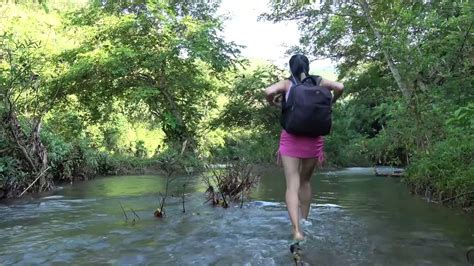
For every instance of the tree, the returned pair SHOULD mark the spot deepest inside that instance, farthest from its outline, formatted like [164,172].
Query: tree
[408,70]
[424,45]
[247,107]
[152,57]
[26,98]
[415,39]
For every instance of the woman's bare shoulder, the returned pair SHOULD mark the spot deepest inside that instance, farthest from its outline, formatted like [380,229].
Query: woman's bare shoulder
[333,85]
[279,87]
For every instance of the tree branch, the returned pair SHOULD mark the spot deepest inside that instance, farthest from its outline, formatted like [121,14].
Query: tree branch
[37,178]
[23,149]
[462,46]
[457,196]
[390,61]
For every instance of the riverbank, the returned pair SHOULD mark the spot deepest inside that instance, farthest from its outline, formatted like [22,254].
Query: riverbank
[445,173]
[70,171]
[421,185]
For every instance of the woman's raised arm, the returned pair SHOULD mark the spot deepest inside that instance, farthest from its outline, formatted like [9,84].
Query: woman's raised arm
[335,86]
[275,89]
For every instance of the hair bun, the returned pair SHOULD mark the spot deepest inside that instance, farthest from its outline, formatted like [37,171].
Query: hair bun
[299,64]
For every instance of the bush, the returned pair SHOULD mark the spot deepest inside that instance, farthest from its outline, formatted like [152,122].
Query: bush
[11,177]
[248,146]
[234,183]
[171,160]
[70,160]
[140,149]
[445,171]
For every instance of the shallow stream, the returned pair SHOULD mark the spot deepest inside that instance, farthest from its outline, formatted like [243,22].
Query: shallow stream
[356,219]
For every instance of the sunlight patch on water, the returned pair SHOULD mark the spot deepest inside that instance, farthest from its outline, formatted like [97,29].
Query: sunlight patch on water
[52,197]
[326,205]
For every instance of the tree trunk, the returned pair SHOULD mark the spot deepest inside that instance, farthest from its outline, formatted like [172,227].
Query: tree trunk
[33,154]
[18,137]
[38,150]
[402,84]
[181,132]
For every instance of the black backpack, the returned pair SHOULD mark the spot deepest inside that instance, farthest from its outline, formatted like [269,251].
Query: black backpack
[307,111]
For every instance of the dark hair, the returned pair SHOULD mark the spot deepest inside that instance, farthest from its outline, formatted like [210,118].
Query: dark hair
[299,64]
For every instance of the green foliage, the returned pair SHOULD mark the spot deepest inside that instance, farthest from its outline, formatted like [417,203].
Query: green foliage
[408,76]
[247,107]
[463,118]
[345,146]
[117,71]
[70,160]
[118,86]
[251,126]
[421,37]
[246,145]
[151,58]
[79,160]
[67,123]
[140,149]
[176,159]
[11,175]
[121,164]
[111,139]
[27,93]
[445,170]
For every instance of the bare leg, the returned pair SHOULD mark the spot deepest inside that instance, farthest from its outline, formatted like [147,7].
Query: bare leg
[291,167]
[305,192]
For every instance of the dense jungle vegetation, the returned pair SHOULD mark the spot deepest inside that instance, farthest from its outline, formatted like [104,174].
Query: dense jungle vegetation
[104,87]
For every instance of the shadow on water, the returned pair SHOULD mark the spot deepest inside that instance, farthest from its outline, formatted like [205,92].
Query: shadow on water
[356,218]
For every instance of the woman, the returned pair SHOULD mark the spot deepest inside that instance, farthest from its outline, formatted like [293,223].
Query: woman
[299,155]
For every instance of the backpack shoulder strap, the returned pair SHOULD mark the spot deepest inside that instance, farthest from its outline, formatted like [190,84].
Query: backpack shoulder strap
[316,80]
[293,80]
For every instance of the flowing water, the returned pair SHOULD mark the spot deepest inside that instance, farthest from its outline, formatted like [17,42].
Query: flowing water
[356,219]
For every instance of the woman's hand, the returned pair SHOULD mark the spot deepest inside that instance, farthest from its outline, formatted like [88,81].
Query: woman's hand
[336,87]
[274,99]
[277,100]
[274,92]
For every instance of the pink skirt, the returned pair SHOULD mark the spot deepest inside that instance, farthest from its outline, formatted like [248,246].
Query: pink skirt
[301,147]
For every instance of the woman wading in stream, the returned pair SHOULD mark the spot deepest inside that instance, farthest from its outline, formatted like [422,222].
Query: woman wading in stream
[300,152]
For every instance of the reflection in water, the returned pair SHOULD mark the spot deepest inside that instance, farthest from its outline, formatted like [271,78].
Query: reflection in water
[355,218]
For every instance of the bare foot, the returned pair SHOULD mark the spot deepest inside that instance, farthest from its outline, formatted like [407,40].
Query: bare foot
[298,236]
